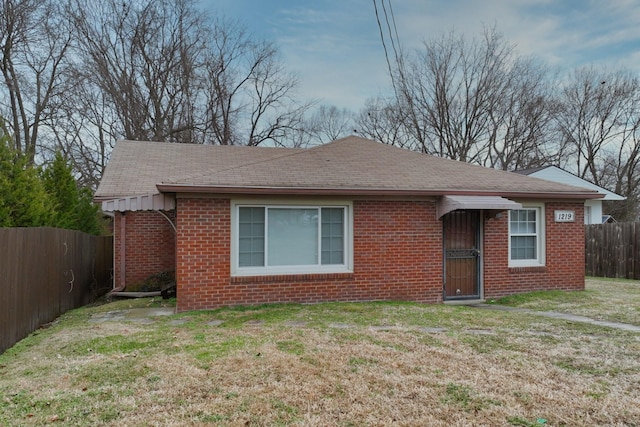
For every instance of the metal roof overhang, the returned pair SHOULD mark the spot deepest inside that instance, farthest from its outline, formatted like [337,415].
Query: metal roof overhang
[493,203]
[147,202]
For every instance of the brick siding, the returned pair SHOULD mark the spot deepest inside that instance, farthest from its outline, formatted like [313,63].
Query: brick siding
[397,256]
[149,246]
[564,261]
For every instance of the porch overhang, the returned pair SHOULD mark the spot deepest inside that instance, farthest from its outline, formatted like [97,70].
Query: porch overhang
[147,202]
[450,203]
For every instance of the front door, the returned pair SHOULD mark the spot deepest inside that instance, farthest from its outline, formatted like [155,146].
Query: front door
[461,255]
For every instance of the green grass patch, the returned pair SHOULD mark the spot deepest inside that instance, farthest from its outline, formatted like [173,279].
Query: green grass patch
[523,422]
[595,368]
[466,397]
[119,344]
[111,372]
[543,298]
[603,299]
[355,363]
[292,347]
[207,351]
[486,344]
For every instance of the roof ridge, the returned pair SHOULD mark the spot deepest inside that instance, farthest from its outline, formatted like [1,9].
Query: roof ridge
[298,151]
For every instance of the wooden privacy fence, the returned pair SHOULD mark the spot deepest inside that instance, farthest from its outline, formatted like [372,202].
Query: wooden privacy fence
[613,250]
[46,271]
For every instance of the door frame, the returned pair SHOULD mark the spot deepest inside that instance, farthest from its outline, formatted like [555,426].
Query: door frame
[480,261]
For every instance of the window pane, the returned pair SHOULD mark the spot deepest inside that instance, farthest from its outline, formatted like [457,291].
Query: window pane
[523,247]
[523,221]
[251,237]
[292,236]
[332,236]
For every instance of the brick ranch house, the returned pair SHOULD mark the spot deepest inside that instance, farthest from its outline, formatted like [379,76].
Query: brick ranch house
[352,220]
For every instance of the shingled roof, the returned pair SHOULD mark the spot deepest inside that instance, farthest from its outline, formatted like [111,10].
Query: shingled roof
[348,166]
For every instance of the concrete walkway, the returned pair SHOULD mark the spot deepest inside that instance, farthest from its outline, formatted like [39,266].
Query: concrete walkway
[562,316]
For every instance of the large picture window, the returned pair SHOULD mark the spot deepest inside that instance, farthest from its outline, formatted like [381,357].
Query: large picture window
[526,236]
[277,239]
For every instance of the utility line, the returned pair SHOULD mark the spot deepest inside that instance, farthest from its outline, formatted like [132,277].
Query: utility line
[384,44]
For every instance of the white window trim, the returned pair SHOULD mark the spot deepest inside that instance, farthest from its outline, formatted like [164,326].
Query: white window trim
[347,267]
[541,239]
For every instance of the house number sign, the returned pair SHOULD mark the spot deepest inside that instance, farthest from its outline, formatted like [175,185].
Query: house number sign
[565,216]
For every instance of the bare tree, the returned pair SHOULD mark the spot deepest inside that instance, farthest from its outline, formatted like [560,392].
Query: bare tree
[474,101]
[451,88]
[34,43]
[382,120]
[599,120]
[174,75]
[273,111]
[598,111]
[328,123]
[248,94]
[85,130]
[520,124]
[143,57]
[166,71]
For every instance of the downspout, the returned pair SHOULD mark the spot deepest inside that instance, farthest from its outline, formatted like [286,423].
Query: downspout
[123,251]
[175,230]
[113,249]
[175,247]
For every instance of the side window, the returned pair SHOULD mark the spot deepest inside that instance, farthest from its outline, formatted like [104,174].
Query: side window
[526,236]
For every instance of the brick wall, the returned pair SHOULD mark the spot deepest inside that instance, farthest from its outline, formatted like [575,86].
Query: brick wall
[564,266]
[149,246]
[397,256]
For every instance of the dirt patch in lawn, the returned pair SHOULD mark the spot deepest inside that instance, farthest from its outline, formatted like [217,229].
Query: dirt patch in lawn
[388,364]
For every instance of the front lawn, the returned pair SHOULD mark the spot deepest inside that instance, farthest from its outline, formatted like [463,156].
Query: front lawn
[335,364]
[612,300]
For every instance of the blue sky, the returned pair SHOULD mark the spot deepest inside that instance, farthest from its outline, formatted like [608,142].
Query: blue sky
[334,45]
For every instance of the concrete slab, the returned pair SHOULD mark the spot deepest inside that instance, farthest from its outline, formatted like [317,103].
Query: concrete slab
[561,316]
[432,330]
[295,324]
[137,315]
[479,332]
[340,326]
[254,322]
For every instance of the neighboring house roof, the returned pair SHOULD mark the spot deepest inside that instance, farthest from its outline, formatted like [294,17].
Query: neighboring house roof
[556,174]
[348,166]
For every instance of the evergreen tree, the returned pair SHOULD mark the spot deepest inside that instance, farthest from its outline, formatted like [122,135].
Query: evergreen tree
[73,208]
[23,200]
[30,198]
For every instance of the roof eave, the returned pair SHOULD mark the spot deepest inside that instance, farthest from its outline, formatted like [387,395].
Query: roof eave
[342,191]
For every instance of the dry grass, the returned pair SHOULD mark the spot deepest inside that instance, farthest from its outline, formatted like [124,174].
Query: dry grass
[323,365]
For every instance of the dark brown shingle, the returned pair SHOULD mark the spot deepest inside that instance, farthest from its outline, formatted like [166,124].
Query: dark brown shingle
[349,165]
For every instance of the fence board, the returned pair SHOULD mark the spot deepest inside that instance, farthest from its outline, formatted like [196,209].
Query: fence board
[45,272]
[613,250]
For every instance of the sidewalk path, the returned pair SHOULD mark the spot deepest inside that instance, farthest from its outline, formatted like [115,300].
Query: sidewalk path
[562,316]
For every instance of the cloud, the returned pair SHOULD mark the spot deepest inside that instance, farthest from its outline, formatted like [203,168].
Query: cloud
[336,50]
